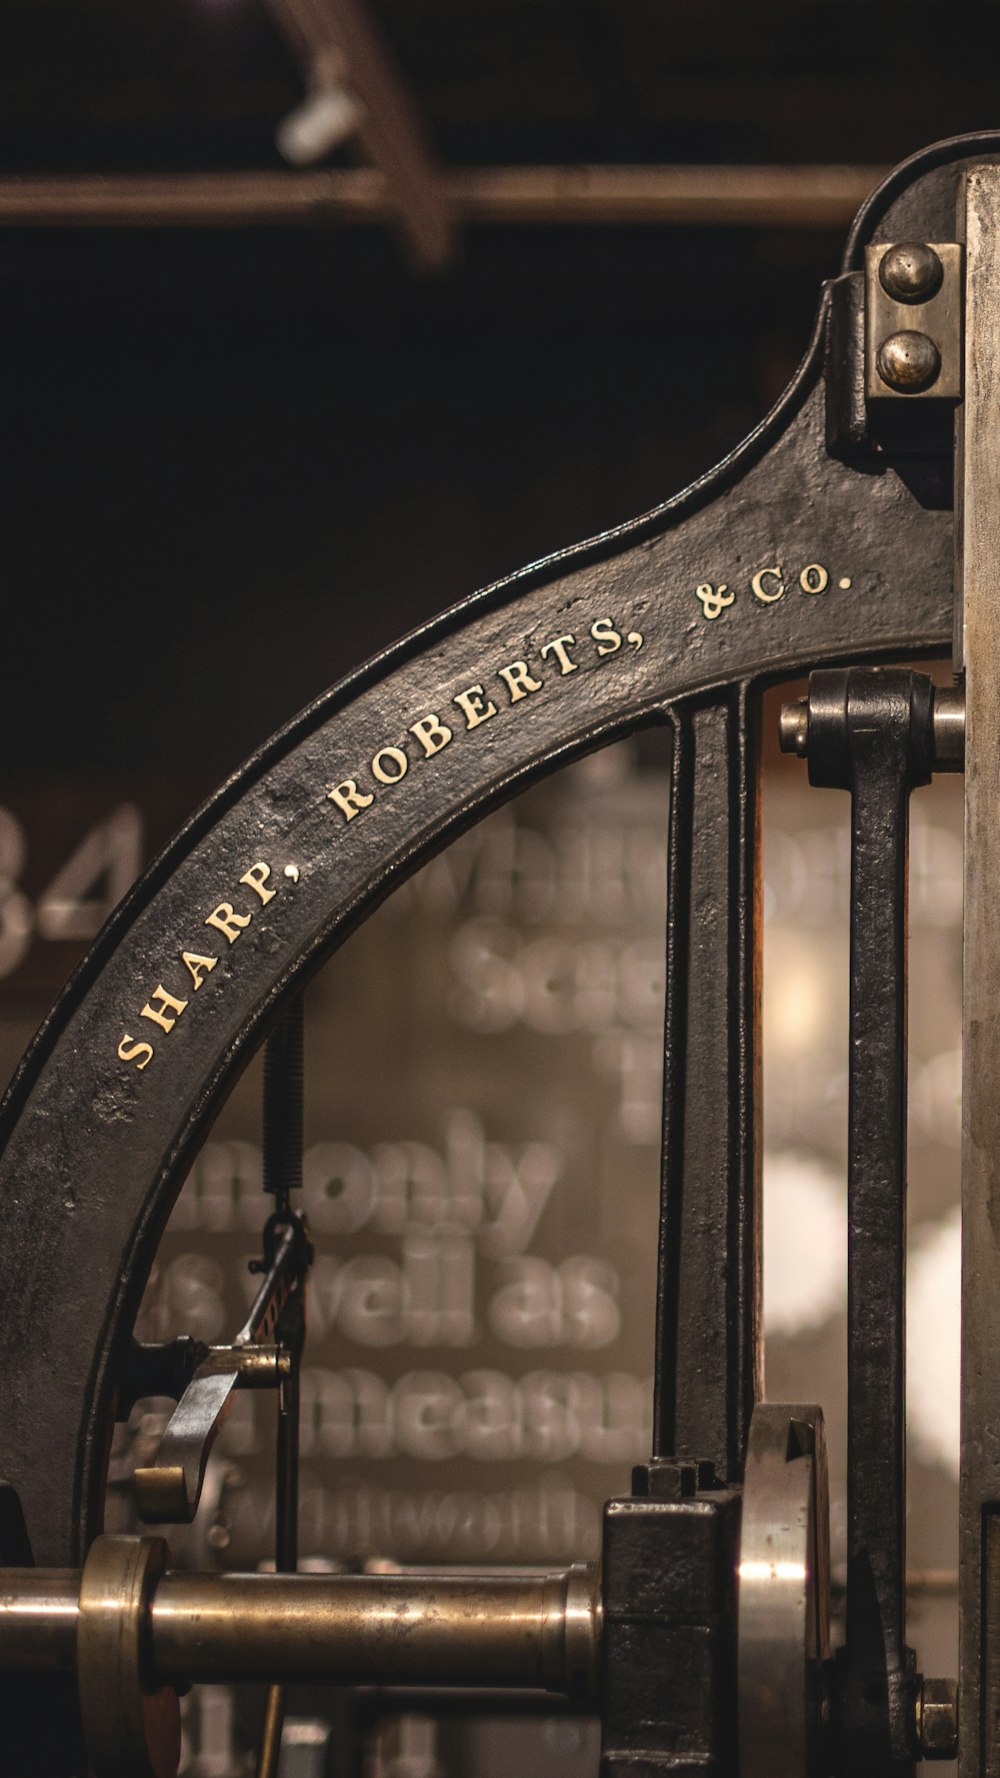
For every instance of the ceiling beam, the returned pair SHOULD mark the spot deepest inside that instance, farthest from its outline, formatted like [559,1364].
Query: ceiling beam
[718,196]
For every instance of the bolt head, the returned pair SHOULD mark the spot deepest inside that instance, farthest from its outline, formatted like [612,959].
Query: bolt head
[910,272]
[908,362]
[939,1719]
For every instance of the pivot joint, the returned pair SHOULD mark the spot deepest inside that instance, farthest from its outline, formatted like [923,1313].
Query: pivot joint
[816,727]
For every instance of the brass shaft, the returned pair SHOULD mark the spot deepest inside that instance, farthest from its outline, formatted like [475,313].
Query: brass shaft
[531,1630]
[39,1614]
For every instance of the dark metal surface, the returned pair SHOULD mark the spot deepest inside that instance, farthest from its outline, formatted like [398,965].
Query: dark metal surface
[708,1356]
[871,732]
[284,1073]
[669,1638]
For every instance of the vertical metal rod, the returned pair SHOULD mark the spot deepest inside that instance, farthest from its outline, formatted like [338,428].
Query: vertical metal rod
[286,1554]
[283,1106]
[270,1738]
[876,1192]
[708,1355]
[977,527]
[284,1077]
[286,1547]
[870,732]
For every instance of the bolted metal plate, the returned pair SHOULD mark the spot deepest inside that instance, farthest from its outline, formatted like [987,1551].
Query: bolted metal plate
[913,321]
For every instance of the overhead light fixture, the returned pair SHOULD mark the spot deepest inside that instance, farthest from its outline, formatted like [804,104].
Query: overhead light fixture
[328,116]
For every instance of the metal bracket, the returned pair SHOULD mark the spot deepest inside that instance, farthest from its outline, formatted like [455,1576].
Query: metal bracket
[895,356]
[913,321]
[669,1637]
[168,1491]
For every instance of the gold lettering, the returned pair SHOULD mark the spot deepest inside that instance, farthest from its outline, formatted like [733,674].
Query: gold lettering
[519,680]
[130,1052]
[757,582]
[349,798]
[255,878]
[226,920]
[714,599]
[814,578]
[169,1004]
[558,648]
[471,702]
[432,735]
[198,966]
[399,760]
[606,636]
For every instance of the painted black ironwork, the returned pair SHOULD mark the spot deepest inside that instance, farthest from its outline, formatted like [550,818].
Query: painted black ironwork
[871,732]
[284,1073]
[670,1550]
[708,1360]
[811,545]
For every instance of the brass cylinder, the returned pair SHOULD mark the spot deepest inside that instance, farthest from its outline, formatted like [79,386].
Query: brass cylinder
[529,1630]
[405,1629]
[39,1610]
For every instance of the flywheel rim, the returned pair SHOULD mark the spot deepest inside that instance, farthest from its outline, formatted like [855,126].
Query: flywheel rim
[645,584]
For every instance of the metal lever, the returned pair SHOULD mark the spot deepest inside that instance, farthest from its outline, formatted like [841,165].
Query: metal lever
[168,1491]
[871,732]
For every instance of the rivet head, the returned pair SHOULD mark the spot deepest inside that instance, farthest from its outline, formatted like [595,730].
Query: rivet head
[908,362]
[910,272]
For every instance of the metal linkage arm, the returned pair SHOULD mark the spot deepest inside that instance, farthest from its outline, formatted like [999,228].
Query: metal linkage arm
[872,732]
[708,1348]
[168,1491]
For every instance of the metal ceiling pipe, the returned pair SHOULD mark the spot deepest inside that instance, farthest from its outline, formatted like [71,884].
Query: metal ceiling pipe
[765,196]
